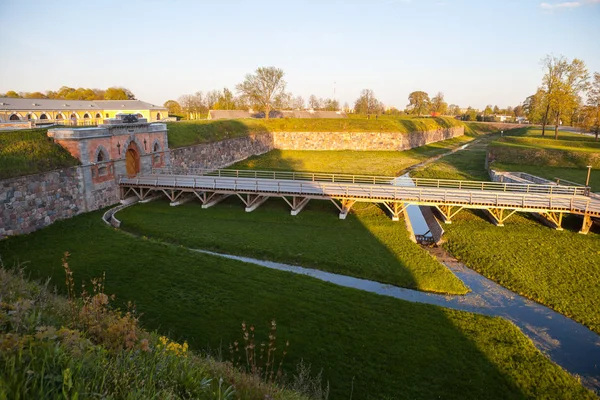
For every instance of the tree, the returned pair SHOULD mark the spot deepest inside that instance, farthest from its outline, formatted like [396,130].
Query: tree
[438,105]
[418,102]
[226,100]
[113,93]
[298,103]
[562,83]
[568,80]
[12,94]
[263,87]
[496,110]
[173,107]
[367,103]
[454,110]
[35,95]
[314,103]
[330,105]
[592,109]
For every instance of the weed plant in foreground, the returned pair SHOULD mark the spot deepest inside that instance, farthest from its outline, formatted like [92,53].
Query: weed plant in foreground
[368,345]
[82,347]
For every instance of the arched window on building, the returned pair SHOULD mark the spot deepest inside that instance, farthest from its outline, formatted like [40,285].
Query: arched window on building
[156,151]
[158,116]
[102,157]
[98,115]
[15,117]
[140,115]
[43,116]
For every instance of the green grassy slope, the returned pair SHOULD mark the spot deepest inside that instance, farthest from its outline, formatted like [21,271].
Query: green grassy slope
[30,151]
[371,346]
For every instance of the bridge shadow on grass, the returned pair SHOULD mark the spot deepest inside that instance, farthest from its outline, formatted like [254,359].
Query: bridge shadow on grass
[368,346]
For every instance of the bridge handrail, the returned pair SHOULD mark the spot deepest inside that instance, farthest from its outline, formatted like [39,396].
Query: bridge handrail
[384,180]
[529,200]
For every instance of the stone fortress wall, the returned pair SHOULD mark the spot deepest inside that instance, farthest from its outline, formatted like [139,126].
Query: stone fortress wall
[32,202]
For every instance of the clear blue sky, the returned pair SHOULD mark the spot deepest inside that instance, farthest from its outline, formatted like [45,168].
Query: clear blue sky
[476,52]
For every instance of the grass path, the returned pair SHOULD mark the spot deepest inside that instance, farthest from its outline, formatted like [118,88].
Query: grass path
[372,346]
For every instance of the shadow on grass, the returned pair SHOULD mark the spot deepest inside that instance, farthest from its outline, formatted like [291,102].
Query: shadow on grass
[368,345]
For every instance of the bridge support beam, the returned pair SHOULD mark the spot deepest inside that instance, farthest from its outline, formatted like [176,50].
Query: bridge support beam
[345,207]
[587,224]
[395,208]
[552,219]
[498,215]
[141,193]
[252,201]
[173,195]
[448,212]
[297,204]
[212,199]
[181,200]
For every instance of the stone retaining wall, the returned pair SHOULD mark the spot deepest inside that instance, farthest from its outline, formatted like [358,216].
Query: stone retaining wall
[391,141]
[28,203]
[222,153]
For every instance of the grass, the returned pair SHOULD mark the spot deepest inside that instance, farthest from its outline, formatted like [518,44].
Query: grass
[55,348]
[558,269]
[546,152]
[577,175]
[366,245]
[387,163]
[368,346]
[189,133]
[30,151]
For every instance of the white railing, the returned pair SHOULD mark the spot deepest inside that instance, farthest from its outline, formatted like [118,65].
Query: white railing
[419,195]
[381,180]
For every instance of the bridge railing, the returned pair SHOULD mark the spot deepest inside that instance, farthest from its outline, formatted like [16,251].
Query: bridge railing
[378,193]
[383,180]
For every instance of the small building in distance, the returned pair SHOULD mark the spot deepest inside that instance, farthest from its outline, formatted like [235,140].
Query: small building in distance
[239,114]
[32,112]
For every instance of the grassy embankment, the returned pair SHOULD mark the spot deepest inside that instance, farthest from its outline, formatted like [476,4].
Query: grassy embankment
[565,158]
[52,347]
[560,269]
[30,151]
[368,346]
[188,133]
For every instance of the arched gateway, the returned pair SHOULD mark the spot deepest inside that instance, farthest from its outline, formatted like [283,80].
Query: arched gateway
[132,159]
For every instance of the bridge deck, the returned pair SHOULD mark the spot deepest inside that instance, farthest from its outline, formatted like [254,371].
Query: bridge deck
[391,191]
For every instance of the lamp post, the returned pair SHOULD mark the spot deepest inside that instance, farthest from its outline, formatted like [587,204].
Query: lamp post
[587,180]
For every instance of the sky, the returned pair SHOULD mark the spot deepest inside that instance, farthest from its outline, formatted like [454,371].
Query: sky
[476,52]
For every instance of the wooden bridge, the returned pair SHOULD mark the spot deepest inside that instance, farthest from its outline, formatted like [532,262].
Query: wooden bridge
[498,200]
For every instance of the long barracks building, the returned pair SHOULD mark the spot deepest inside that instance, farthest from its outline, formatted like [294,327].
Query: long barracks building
[75,112]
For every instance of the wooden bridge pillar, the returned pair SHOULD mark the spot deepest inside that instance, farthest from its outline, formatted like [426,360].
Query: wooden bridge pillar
[448,211]
[587,224]
[297,203]
[395,208]
[498,216]
[552,219]
[345,207]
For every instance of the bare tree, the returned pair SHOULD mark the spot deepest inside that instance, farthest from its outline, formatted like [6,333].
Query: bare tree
[263,87]
[367,103]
